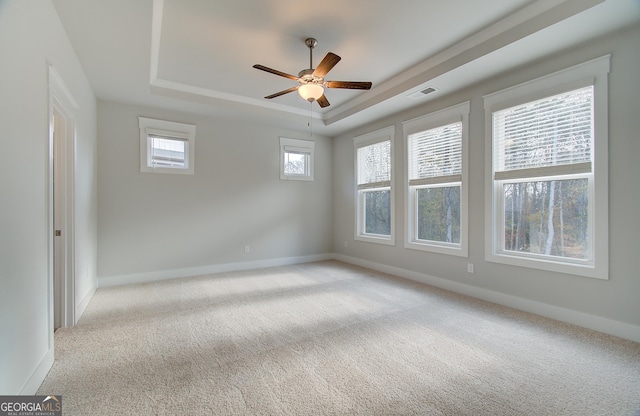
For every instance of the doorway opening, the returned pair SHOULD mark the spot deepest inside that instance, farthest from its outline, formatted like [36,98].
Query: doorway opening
[61,203]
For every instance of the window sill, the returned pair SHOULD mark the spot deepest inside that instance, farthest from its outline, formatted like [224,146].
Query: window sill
[450,249]
[175,171]
[296,178]
[377,239]
[586,269]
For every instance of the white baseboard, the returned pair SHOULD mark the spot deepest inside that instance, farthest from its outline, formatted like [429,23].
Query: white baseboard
[37,377]
[82,305]
[596,323]
[204,270]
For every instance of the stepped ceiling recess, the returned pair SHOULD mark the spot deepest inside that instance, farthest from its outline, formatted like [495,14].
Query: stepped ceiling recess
[196,56]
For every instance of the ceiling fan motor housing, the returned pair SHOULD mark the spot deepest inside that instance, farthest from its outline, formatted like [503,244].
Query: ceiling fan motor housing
[311,80]
[306,77]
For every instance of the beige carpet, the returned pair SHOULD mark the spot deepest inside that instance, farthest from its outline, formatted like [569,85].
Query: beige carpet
[330,339]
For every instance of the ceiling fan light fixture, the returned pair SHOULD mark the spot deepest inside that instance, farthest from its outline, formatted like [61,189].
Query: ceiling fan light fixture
[311,92]
[312,81]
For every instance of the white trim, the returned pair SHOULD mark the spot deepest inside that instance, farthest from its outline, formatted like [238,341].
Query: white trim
[126,279]
[593,322]
[57,86]
[449,115]
[171,130]
[183,90]
[436,119]
[84,302]
[513,27]
[377,136]
[567,79]
[39,373]
[300,146]
[542,172]
[156,35]
[62,102]
[372,185]
[442,180]
[593,72]
[517,25]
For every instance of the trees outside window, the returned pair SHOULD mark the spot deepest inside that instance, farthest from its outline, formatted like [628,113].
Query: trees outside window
[547,217]
[436,146]
[377,211]
[543,167]
[548,178]
[373,172]
[296,159]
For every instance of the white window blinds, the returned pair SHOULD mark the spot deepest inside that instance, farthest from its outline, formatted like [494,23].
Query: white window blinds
[374,165]
[435,155]
[167,152]
[547,137]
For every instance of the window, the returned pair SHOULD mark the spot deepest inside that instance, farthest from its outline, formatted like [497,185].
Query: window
[548,176]
[374,199]
[166,146]
[296,159]
[436,146]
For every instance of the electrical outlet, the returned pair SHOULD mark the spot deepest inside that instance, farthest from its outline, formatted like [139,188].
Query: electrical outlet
[247,249]
[470,267]
[346,244]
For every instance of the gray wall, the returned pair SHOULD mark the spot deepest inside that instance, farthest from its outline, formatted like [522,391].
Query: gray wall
[151,222]
[147,223]
[31,37]
[614,299]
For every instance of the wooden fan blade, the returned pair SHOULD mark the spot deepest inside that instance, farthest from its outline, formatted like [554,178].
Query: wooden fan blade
[351,85]
[275,71]
[325,66]
[323,101]
[283,92]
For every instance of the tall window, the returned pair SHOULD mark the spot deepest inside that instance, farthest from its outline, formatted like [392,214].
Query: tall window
[436,146]
[166,146]
[549,167]
[374,206]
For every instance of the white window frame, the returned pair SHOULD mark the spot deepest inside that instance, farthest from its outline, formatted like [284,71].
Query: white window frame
[378,136]
[592,73]
[171,130]
[450,115]
[304,147]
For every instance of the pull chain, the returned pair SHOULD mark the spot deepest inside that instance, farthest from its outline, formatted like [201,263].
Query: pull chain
[310,121]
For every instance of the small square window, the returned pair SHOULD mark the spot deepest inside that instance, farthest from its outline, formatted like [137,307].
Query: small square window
[296,159]
[296,163]
[166,146]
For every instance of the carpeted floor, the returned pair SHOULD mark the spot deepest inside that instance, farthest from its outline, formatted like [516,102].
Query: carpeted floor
[330,339]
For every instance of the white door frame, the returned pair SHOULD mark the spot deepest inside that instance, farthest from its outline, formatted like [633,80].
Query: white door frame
[63,106]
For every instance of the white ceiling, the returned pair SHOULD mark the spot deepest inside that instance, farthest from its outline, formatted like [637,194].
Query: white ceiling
[196,55]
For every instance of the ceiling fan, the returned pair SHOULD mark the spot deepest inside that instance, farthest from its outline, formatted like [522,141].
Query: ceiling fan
[312,82]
